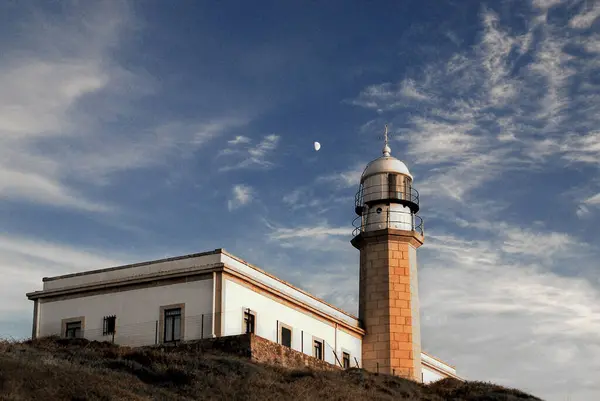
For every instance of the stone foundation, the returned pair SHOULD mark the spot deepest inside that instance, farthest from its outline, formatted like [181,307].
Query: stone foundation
[257,349]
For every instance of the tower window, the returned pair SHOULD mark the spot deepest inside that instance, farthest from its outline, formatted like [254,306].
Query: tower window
[393,186]
[379,210]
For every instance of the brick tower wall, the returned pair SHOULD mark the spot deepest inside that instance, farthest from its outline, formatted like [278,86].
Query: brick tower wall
[388,305]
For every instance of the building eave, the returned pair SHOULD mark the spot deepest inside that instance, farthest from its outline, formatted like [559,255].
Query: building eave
[120,282]
[139,264]
[441,371]
[438,359]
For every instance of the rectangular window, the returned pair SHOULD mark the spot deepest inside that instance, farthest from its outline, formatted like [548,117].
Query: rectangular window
[109,325]
[172,325]
[346,360]
[407,189]
[73,330]
[393,186]
[249,321]
[318,349]
[286,336]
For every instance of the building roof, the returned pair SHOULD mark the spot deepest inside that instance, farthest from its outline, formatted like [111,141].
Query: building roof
[385,164]
[198,262]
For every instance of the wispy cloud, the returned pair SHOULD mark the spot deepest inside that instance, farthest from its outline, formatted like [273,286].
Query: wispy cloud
[586,18]
[308,232]
[60,98]
[240,195]
[238,140]
[27,260]
[593,200]
[503,106]
[520,103]
[344,179]
[250,156]
[476,287]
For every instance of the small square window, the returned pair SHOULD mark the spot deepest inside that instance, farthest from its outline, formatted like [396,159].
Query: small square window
[73,329]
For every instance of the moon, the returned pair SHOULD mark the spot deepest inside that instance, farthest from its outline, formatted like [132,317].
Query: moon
[317,146]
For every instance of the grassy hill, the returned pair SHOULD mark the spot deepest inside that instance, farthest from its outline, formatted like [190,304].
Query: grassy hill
[55,369]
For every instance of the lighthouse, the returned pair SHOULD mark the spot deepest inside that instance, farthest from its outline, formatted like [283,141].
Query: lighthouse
[388,233]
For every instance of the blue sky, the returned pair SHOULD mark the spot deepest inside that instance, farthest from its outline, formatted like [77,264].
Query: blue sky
[134,131]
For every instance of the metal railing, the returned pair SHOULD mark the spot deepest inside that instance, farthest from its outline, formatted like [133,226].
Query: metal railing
[199,327]
[372,221]
[399,193]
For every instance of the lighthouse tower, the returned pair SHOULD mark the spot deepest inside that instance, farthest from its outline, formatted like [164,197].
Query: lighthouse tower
[387,234]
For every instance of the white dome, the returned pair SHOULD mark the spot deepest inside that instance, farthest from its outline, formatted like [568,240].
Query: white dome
[385,164]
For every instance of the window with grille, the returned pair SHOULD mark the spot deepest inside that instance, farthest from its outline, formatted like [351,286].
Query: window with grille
[318,349]
[286,336]
[73,330]
[109,325]
[172,325]
[346,360]
[249,321]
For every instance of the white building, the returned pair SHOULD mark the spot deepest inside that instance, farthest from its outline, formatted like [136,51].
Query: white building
[215,294]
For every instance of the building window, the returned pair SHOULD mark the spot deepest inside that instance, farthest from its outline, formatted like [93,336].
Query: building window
[73,329]
[249,321]
[172,325]
[318,349]
[285,335]
[346,360]
[109,325]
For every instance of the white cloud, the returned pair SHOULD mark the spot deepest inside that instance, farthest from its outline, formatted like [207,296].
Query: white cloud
[582,211]
[344,179]
[251,156]
[36,188]
[308,232]
[61,84]
[241,195]
[593,200]
[514,303]
[587,18]
[239,139]
[546,4]
[490,111]
[473,287]
[27,260]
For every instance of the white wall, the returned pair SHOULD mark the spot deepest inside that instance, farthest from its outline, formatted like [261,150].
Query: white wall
[287,289]
[236,298]
[430,375]
[137,312]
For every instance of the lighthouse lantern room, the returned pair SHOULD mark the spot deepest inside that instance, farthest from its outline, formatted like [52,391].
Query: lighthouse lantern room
[386,197]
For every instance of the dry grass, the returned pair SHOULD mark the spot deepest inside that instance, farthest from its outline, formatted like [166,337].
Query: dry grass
[54,369]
